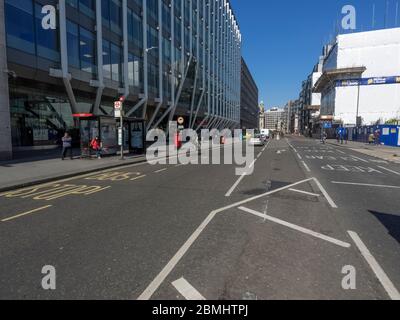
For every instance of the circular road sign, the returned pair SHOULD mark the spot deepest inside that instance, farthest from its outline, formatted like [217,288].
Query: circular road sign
[181,120]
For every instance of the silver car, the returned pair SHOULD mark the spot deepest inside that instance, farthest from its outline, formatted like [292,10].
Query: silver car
[257,141]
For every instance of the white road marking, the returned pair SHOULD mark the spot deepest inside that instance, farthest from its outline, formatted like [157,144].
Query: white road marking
[159,171]
[340,151]
[365,185]
[376,268]
[229,193]
[305,192]
[395,172]
[160,278]
[187,290]
[297,228]
[290,145]
[259,155]
[25,213]
[306,166]
[363,160]
[232,189]
[137,178]
[300,157]
[326,195]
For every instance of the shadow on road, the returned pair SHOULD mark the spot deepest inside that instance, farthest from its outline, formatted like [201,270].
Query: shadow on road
[391,222]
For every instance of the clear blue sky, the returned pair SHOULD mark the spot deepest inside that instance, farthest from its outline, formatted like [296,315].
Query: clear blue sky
[282,39]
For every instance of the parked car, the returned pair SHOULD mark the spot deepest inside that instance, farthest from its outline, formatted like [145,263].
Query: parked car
[257,141]
[264,137]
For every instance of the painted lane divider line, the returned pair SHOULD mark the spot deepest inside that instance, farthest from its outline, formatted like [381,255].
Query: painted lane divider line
[305,192]
[365,185]
[306,166]
[187,290]
[297,228]
[388,170]
[325,193]
[160,278]
[161,170]
[232,189]
[26,213]
[376,268]
[138,178]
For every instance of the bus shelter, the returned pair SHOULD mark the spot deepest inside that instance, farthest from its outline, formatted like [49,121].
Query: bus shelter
[92,126]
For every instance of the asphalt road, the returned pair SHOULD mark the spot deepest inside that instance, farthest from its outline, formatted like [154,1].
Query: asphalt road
[288,231]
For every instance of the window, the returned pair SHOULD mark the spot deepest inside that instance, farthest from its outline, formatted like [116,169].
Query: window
[135,29]
[116,63]
[87,51]
[152,9]
[73,3]
[152,41]
[46,40]
[106,59]
[115,16]
[87,7]
[73,44]
[134,70]
[105,12]
[19,25]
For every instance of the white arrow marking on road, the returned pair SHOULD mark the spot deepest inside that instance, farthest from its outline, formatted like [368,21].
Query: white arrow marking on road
[187,290]
[297,228]
[359,159]
[376,268]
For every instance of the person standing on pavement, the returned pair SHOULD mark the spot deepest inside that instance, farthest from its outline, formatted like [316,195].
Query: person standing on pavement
[67,146]
[377,137]
[95,144]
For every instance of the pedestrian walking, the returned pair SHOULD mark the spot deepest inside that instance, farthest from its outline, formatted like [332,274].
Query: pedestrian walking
[66,146]
[95,144]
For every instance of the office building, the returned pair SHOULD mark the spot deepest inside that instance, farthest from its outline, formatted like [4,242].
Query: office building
[249,109]
[275,119]
[62,59]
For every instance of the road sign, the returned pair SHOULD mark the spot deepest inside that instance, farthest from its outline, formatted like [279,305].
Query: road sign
[181,120]
[117,113]
[327,125]
[117,105]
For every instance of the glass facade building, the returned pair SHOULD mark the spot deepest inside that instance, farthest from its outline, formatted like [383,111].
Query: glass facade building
[249,109]
[167,58]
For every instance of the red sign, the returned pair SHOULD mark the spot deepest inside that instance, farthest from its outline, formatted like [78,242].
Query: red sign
[83,115]
[117,105]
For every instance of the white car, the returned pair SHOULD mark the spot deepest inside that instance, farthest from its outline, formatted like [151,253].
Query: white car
[257,141]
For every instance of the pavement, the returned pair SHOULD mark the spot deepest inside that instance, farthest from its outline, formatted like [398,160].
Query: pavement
[312,222]
[28,171]
[378,151]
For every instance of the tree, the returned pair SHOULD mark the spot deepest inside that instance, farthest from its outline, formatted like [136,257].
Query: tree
[393,121]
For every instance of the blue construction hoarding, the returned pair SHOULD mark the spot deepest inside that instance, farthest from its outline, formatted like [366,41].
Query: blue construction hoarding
[389,135]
